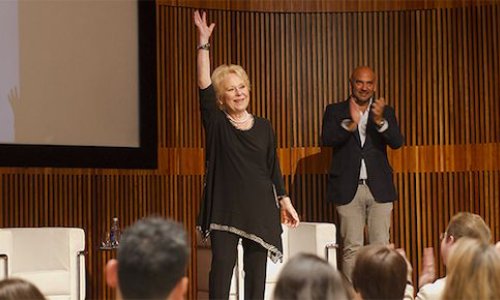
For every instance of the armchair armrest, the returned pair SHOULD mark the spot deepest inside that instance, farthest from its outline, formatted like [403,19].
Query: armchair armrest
[80,266]
[5,259]
[316,238]
[331,253]
[5,253]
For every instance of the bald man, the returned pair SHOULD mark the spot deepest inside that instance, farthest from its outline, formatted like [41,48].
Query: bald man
[360,181]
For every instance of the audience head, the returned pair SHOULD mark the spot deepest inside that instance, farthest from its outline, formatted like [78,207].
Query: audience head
[379,273]
[306,276]
[463,224]
[16,288]
[151,261]
[473,271]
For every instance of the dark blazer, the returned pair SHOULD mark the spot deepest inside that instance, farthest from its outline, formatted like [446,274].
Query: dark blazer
[343,175]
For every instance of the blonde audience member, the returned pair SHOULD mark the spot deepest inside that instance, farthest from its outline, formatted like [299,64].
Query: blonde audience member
[463,224]
[379,273]
[16,289]
[307,276]
[473,271]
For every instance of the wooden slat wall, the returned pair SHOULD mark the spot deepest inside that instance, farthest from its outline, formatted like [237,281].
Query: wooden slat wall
[438,67]
[322,5]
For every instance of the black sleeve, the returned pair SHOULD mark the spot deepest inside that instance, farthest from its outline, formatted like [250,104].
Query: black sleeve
[274,164]
[332,133]
[208,105]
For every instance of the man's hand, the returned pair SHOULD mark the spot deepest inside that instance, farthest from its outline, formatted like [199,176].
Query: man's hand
[355,111]
[378,110]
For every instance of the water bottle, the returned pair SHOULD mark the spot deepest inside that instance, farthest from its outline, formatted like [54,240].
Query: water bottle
[114,233]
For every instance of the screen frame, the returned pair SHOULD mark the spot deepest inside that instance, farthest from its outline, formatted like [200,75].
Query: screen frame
[142,157]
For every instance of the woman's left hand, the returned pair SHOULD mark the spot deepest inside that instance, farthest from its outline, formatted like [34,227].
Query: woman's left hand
[289,215]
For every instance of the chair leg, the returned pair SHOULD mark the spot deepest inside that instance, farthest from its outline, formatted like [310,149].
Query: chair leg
[6,264]
[78,277]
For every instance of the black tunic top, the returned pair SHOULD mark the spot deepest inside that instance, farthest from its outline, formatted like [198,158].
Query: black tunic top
[242,178]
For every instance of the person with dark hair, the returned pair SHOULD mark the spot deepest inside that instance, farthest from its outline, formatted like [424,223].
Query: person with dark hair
[360,180]
[379,273]
[244,193]
[151,261]
[306,276]
[17,289]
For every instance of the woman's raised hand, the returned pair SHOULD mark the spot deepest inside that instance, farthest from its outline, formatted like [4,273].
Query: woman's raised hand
[203,59]
[204,31]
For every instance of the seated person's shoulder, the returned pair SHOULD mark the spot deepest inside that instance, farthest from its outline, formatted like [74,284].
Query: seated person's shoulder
[432,290]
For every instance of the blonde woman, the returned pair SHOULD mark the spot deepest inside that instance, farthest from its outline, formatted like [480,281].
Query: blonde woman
[244,190]
[473,271]
[461,225]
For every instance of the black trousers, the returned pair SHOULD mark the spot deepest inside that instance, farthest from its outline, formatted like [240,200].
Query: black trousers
[224,255]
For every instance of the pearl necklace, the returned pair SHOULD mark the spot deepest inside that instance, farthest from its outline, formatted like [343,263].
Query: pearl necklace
[241,121]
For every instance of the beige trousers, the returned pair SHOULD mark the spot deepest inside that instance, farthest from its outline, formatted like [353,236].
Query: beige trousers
[362,210]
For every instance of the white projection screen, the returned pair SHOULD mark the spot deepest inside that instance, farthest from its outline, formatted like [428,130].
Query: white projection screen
[78,83]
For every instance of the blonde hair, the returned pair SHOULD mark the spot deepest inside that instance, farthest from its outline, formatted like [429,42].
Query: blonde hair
[222,71]
[465,224]
[473,271]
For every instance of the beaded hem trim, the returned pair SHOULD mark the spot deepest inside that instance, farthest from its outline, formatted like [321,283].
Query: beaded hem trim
[274,254]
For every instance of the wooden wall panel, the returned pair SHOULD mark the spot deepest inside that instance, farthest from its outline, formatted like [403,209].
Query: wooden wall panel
[90,201]
[322,5]
[438,66]
[435,67]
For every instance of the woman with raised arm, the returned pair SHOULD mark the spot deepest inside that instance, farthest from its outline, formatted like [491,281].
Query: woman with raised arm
[243,189]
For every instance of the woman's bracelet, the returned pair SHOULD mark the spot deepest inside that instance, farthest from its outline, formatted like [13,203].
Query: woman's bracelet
[205,46]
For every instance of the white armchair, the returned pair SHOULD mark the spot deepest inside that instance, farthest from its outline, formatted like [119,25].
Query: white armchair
[308,237]
[51,258]
[315,238]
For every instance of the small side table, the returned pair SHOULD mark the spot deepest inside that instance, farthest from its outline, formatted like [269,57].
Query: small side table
[104,254]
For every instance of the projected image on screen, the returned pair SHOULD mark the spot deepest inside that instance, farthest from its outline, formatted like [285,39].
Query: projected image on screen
[9,67]
[69,73]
